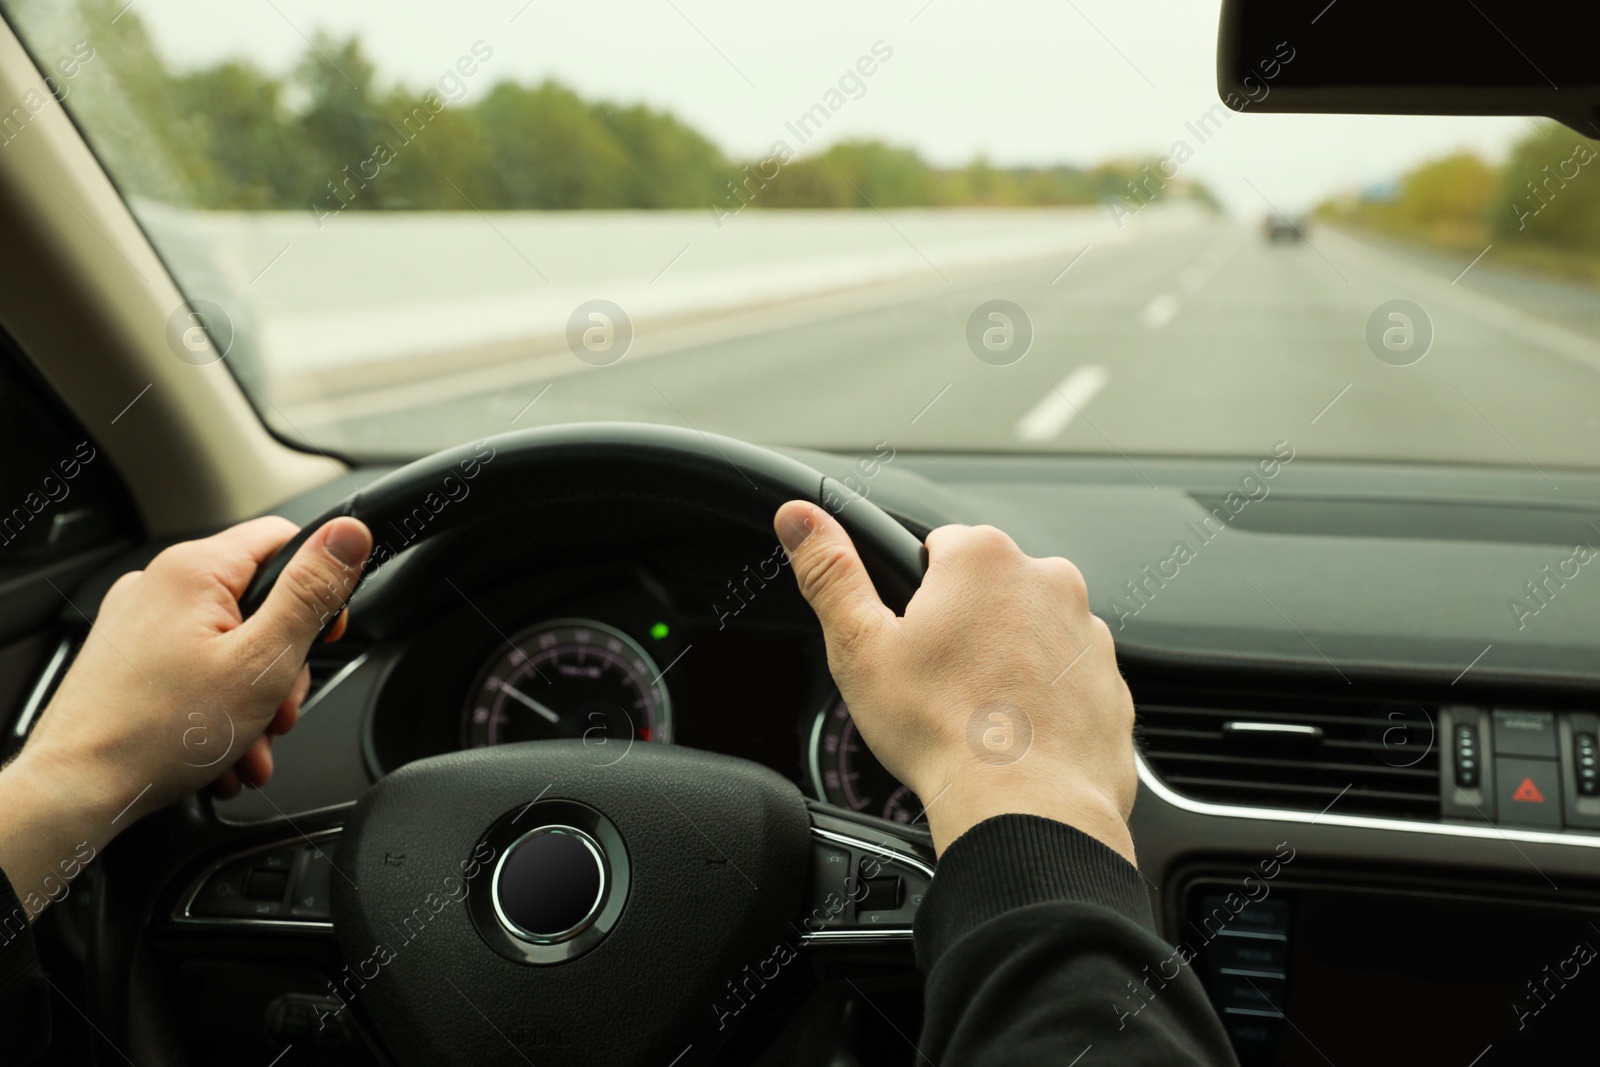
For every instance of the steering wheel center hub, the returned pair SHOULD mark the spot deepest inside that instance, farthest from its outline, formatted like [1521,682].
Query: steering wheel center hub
[550,884]
[559,882]
[627,895]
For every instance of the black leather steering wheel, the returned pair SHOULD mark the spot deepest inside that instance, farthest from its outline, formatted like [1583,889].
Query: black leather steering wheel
[721,476]
[530,902]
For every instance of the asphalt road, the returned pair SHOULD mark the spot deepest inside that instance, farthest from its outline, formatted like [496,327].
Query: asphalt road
[1208,340]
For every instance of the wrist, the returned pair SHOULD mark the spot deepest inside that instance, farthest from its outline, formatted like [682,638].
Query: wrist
[62,798]
[973,795]
[54,826]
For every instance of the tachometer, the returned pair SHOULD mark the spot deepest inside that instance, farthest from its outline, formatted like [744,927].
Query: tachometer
[569,678]
[845,772]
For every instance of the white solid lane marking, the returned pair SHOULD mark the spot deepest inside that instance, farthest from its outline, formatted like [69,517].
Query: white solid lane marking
[1160,311]
[1061,404]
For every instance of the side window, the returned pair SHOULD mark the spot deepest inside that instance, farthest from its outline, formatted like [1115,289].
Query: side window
[58,493]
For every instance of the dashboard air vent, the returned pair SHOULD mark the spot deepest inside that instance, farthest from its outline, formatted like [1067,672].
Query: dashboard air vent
[1294,751]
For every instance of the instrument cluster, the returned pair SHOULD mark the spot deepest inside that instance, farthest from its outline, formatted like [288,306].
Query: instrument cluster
[581,678]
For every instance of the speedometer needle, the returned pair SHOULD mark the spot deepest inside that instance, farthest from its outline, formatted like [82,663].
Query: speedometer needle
[516,694]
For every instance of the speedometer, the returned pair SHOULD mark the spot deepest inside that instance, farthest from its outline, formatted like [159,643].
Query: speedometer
[573,678]
[845,772]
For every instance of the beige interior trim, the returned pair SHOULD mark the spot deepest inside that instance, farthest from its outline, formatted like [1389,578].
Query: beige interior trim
[87,299]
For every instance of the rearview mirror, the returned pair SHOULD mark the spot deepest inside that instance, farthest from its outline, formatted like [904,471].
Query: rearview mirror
[1412,57]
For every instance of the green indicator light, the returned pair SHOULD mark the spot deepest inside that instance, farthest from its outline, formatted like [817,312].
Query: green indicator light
[658,631]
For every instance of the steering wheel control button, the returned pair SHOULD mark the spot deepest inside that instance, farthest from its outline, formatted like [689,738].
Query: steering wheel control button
[312,897]
[222,896]
[863,888]
[1525,733]
[1530,792]
[282,883]
[830,870]
[266,885]
[550,884]
[882,894]
[310,1021]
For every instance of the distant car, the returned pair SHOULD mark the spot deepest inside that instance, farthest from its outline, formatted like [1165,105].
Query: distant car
[1282,228]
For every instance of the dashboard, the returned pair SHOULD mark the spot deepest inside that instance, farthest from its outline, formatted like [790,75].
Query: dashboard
[1349,751]
[656,630]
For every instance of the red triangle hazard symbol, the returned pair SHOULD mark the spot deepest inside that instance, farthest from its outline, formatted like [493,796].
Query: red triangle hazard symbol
[1528,792]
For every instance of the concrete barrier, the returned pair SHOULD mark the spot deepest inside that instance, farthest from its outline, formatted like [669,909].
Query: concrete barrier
[368,301]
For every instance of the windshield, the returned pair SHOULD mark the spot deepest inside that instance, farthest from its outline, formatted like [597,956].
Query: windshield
[1016,226]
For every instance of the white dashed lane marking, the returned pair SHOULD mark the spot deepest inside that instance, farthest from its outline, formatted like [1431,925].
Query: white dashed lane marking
[1160,311]
[1061,404]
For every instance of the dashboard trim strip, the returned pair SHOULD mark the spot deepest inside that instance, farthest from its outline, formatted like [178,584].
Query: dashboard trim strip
[333,682]
[814,752]
[41,688]
[1488,832]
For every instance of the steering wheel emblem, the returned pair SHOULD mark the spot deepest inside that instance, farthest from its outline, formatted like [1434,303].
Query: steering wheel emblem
[559,885]
[549,886]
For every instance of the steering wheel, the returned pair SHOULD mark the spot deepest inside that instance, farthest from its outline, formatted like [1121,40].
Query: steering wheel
[535,902]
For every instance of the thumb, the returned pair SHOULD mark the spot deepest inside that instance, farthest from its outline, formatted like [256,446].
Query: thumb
[311,591]
[831,575]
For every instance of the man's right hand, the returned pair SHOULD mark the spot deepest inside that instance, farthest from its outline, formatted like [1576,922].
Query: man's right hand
[997,692]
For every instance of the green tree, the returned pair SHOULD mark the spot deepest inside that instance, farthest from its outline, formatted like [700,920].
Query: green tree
[1548,194]
[979,182]
[547,151]
[668,164]
[442,160]
[882,176]
[1447,198]
[806,183]
[244,153]
[327,137]
[340,127]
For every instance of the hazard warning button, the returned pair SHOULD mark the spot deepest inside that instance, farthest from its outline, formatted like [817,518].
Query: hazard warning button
[1530,792]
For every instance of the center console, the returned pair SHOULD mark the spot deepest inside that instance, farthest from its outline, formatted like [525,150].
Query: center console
[1312,968]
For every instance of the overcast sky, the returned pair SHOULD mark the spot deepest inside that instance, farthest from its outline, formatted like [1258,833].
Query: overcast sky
[1021,81]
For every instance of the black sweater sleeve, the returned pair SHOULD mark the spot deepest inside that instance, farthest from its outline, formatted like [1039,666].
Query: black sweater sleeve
[24,991]
[1038,944]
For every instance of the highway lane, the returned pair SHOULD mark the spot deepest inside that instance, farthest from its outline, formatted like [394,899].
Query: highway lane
[1203,341]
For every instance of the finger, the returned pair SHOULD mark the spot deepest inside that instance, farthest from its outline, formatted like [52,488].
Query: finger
[255,766]
[831,575]
[284,719]
[227,785]
[338,628]
[980,542]
[242,548]
[310,593]
[288,712]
